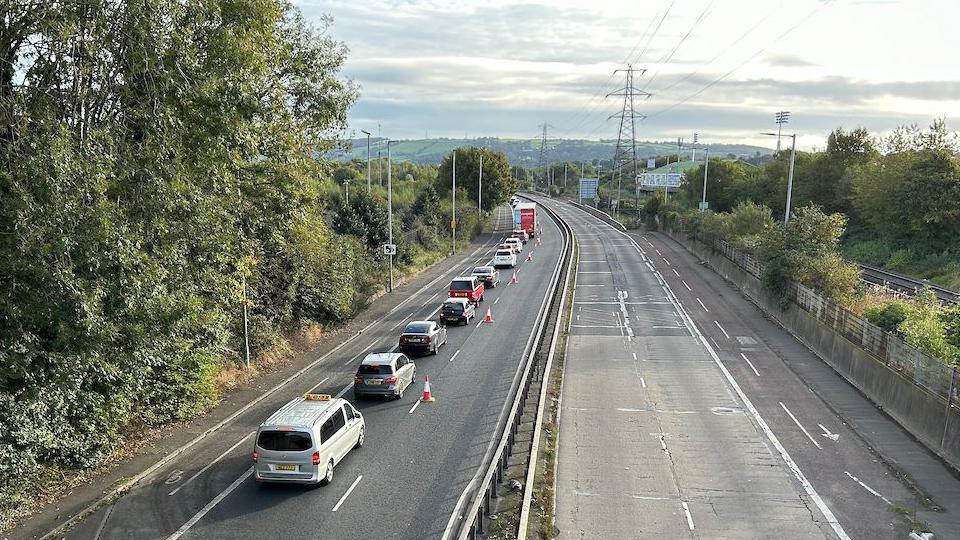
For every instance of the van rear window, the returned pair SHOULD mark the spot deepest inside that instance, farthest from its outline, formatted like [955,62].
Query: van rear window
[284,441]
[461,285]
[372,369]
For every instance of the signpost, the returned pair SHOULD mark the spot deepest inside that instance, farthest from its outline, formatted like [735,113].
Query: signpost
[658,180]
[588,188]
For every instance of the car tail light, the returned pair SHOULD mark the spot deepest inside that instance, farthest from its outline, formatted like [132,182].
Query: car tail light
[390,380]
[357,379]
[316,458]
[256,456]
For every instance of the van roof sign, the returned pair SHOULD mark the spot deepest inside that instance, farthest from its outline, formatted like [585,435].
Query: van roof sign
[317,397]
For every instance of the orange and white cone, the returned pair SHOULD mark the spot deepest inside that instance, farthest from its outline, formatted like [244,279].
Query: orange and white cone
[426,390]
[530,256]
[489,317]
[514,278]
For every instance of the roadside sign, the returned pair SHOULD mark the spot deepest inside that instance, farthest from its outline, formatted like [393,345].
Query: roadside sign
[389,249]
[672,180]
[588,188]
[704,205]
[652,163]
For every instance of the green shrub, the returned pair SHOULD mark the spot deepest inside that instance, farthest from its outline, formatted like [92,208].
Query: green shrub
[875,252]
[888,316]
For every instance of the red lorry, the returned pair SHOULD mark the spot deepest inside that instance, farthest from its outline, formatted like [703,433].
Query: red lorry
[468,287]
[525,217]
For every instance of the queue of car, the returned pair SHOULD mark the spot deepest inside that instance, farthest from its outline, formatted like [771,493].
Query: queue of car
[306,438]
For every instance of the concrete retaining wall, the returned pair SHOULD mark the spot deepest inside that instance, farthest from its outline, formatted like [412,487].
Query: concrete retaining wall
[925,416]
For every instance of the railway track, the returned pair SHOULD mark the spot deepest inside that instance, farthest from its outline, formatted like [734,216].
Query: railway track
[906,284]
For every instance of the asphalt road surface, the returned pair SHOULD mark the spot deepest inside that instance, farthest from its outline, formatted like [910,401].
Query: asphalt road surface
[418,457]
[680,417]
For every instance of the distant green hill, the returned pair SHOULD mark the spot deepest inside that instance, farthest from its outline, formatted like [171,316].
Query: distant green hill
[527,152]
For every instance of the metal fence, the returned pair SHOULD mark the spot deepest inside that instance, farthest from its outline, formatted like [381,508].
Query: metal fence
[927,372]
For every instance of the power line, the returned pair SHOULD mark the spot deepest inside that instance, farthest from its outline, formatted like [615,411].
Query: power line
[669,56]
[741,64]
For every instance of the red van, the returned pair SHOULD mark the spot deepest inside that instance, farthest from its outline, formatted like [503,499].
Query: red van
[468,287]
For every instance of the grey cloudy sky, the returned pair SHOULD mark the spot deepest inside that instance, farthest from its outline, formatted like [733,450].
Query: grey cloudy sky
[718,67]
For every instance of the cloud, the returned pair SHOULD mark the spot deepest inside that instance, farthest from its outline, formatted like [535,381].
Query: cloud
[786,60]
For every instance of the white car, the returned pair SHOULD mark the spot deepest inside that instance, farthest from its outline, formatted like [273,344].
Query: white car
[521,234]
[504,258]
[516,243]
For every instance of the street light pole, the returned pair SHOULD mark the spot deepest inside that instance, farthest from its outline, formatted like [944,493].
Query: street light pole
[793,154]
[390,211]
[480,189]
[367,133]
[706,163]
[346,187]
[453,194]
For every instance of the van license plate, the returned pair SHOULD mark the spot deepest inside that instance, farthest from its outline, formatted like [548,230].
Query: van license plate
[286,467]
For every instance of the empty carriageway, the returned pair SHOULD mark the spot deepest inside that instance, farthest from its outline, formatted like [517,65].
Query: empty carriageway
[656,440]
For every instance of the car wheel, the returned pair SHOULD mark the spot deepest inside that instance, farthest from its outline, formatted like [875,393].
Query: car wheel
[359,439]
[328,475]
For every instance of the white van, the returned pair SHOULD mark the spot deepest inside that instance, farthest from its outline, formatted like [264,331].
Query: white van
[303,441]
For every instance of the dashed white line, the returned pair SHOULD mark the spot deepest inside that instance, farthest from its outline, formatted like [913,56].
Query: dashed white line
[721,329]
[454,355]
[634,355]
[675,272]
[643,383]
[686,510]
[750,363]
[797,422]
[703,306]
[868,488]
[210,505]
[495,301]
[685,285]
[657,250]
[317,385]
[415,405]
[347,494]
[212,463]
[479,323]
[666,261]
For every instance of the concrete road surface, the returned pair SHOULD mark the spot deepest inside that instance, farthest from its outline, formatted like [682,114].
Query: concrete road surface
[418,457]
[680,417]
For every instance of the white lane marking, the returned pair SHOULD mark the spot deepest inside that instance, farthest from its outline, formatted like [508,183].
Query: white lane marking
[634,355]
[347,494]
[826,433]
[703,306]
[410,316]
[361,353]
[415,405]
[666,261]
[868,488]
[214,462]
[495,301]
[103,522]
[622,296]
[799,425]
[794,468]
[686,510]
[750,363]
[657,250]
[431,298]
[210,505]
[317,385]
[345,390]
[675,272]
[721,329]
[434,312]
[454,355]
[685,285]
[643,383]
[479,323]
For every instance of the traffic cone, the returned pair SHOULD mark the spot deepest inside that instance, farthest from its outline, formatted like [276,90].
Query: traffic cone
[426,390]
[530,256]
[514,278]
[538,240]
[489,317]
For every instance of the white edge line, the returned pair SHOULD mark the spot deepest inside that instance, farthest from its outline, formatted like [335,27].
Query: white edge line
[454,355]
[216,500]
[799,425]
[807,486]
[751,364]
[347,494]
[686,510]
[415,405]
[212,463]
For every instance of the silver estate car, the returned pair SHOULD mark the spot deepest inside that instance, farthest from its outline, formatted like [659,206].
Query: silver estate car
[305,439]
[384,374]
